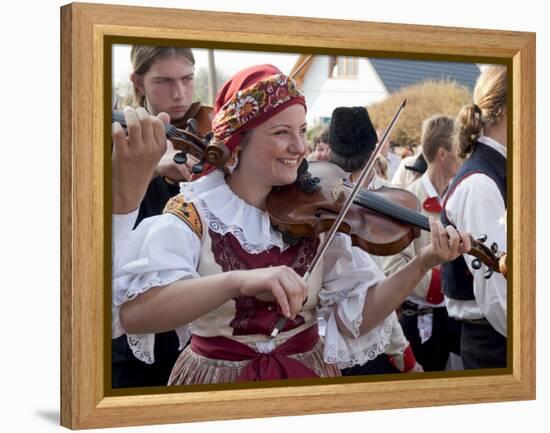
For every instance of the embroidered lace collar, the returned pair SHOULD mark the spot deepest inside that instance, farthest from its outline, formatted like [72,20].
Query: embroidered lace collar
[225,212]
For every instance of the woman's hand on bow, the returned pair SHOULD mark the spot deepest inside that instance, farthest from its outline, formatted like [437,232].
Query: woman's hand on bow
[280,283]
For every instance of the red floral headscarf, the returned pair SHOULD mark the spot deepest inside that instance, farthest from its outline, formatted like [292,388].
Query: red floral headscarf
[247,100]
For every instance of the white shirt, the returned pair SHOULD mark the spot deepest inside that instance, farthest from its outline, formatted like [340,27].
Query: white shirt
[431,192]
[476,206]
[403,177]
[163,249]
[121,227]
[429,186]
[393,162]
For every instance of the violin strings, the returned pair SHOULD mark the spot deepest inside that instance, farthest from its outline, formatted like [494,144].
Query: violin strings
[171,131]
[119,117]
[386,207]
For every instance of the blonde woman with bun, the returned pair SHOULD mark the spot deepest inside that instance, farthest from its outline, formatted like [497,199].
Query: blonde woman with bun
[476,202]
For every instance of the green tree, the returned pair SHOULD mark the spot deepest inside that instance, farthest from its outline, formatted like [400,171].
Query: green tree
[424,100]
[313,131]
[202,89]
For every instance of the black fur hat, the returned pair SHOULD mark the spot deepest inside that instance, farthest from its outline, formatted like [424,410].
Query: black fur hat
[419,165]
[352,138]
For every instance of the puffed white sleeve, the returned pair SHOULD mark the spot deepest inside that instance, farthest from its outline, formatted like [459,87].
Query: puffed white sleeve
[349,272]
[477,207]
[160,251]
[121,228]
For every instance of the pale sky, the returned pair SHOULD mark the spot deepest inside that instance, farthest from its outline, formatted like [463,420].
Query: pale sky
[228,61]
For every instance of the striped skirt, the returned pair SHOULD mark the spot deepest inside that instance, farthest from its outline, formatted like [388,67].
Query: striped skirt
[192,368]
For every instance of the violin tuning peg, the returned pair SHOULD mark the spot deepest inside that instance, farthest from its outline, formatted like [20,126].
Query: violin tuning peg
[199,167]
[488,274]
[208,137]
[180,158]
[494,247]
[192,126]
[482,238]
[476,264]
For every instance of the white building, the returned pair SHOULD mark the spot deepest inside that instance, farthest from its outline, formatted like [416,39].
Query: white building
[332,81]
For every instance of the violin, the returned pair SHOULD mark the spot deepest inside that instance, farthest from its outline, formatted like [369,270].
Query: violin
[201,114]
[382,222]
[194,138]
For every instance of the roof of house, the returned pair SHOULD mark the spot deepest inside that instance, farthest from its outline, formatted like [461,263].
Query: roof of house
[396,73]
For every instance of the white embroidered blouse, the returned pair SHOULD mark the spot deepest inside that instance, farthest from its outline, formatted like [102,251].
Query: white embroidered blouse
[163,249]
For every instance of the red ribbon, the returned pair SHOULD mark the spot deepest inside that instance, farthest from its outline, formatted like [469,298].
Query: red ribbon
[435,295]
[409,360]
[432,204]
[262,366]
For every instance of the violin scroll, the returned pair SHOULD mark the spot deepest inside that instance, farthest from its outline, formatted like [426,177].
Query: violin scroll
[203,148]
[191,140]
[217,153]
[502,265]
[492,257]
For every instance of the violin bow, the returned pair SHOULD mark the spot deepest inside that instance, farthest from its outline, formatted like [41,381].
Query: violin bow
[302,65]
[367,169]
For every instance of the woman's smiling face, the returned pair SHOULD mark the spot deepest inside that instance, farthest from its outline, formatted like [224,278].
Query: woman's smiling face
[273,151]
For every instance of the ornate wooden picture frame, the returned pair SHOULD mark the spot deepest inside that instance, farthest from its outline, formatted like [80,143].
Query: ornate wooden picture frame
[88,32]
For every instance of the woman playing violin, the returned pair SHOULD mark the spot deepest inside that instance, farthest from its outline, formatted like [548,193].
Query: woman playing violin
[212,264]
[476,202]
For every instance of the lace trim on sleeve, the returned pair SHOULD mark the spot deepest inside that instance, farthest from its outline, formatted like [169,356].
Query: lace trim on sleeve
[143,345]
[346,351]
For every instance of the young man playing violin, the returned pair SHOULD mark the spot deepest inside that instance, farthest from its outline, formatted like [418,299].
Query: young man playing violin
[163,84]
[214,266]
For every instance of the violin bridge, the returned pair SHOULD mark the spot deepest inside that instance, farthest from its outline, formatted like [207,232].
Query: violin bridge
[338,190]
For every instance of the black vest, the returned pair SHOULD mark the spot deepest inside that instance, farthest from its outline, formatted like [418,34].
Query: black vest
[456,279]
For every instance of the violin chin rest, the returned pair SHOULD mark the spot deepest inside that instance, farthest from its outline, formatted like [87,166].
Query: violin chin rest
[290,239]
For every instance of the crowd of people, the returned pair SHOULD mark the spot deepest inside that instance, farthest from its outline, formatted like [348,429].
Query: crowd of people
[201,276]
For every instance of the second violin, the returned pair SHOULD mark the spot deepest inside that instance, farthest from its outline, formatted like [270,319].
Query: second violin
[191,141]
